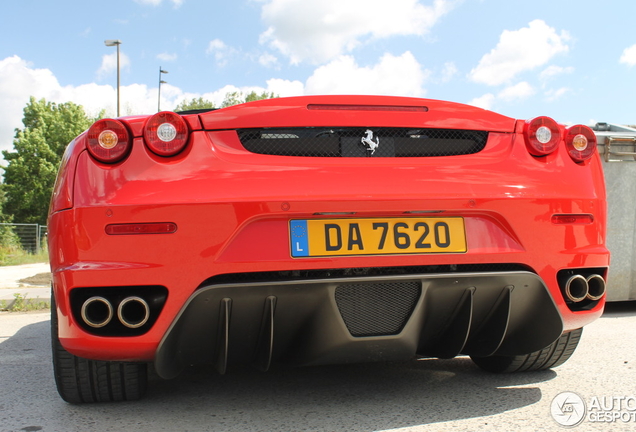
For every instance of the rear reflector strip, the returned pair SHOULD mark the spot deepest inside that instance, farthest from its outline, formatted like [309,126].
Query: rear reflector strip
[572,219]
[334,107]
[141,228]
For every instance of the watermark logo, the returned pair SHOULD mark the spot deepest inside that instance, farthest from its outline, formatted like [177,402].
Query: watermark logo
[568,409]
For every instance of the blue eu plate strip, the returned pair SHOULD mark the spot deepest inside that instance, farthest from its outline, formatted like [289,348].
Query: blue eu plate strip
[299,238]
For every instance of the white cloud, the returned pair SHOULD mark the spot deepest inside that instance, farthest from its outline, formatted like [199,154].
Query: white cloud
[518,51]
[167,57]
[221,51]
[216,45]
[399,76]
[522,90]
[519,91]
[109,64]
[629,56]
[285,88]
[321,30]
[552,95]
[449,71]
[267,60]
[486,101]
[552,71]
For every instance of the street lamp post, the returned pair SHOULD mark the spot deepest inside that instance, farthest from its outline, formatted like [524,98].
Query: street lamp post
[115,42]
[161,71]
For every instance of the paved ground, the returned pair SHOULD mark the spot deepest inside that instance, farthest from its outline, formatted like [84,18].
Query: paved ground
[429,395]
[21,280]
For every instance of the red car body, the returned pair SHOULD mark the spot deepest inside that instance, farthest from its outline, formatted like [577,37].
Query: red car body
[208,234]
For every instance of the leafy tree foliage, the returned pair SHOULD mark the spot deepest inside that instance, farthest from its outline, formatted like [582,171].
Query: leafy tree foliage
[237,97]
[38,148]
[231,98]
[194,104]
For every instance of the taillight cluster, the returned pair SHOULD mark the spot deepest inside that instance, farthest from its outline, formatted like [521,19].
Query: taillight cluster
[580,141]
[165,134]
[543,135]
[108,140]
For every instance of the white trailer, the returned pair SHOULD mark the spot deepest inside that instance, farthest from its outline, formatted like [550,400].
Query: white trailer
[617,147]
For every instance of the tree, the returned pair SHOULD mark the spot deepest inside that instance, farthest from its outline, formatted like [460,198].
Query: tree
[237,97]
[195,104]
[38,148]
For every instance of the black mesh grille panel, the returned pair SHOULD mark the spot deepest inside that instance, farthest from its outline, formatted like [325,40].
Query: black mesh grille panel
[362,142]
[377,309]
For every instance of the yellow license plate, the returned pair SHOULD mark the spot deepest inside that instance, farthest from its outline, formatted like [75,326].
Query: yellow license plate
[376,236]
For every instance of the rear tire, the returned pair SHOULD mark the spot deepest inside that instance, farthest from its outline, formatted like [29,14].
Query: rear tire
[80,380]
[551,356]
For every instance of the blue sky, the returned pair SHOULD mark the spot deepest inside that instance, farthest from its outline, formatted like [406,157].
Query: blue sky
[573,60]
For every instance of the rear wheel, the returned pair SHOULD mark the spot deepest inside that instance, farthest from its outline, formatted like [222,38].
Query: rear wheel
[80,380]
[552,356]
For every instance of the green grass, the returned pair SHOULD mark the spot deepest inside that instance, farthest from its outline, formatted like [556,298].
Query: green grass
[23,304]
[17,256]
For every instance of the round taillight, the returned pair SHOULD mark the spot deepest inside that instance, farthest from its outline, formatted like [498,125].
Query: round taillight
[542,135]
[166,133]
[581,142]
[108,141]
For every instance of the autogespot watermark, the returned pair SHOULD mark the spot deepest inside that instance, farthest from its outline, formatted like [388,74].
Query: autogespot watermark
[569,409]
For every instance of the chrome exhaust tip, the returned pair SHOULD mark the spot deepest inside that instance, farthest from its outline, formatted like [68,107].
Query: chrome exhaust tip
[97,312]
[596,287]
[576,288]
[133,312]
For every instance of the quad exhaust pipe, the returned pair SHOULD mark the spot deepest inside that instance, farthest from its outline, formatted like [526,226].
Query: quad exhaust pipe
[596,287]
[133,312]
[579,288]
[97,312]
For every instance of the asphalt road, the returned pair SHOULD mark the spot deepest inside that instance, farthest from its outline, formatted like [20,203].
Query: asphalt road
[423,395]
[29,281]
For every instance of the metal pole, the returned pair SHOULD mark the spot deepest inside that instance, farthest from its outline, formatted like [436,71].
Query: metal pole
[161,71]
[159,95]
[37,239]
[116,43]
[118,79]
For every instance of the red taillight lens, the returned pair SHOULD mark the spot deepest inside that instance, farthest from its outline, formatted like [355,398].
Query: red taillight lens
[581,142]
[141,228]
[542,135]
[166,133]
[108,141]
[572,219]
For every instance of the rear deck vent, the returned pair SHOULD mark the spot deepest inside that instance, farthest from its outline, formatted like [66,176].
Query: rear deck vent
[377,309]
[362,142]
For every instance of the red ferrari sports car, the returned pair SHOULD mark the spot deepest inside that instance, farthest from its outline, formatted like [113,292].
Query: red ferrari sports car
[320,230]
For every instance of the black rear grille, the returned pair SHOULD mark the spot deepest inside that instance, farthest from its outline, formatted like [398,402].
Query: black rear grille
[377,309]
[295,275]
[362,142]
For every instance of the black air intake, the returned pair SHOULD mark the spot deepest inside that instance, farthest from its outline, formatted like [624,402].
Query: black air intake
[377,309]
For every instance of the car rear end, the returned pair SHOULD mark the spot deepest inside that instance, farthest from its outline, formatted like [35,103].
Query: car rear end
[329,229]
